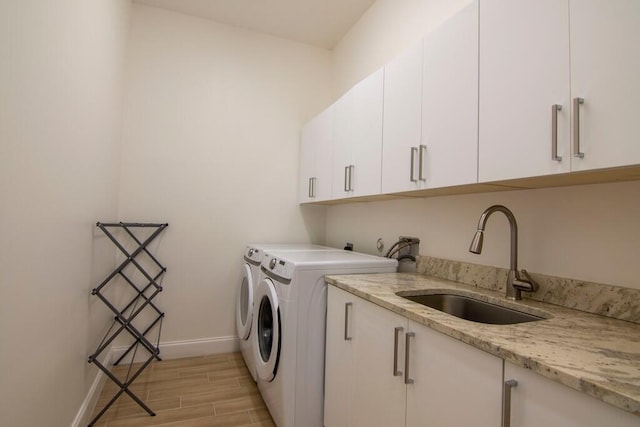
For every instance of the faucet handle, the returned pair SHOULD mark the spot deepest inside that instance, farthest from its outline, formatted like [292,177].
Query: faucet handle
[529,280]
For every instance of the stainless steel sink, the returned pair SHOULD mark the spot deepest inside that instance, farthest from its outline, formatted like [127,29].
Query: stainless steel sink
[472,309]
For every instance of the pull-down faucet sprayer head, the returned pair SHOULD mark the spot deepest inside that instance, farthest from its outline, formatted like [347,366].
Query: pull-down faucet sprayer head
[476,243]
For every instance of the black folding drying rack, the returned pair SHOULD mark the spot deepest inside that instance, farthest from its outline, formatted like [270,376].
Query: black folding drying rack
[138,260]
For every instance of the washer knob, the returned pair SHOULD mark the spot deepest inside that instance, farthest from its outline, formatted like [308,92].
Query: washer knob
[272,263]
[250,253]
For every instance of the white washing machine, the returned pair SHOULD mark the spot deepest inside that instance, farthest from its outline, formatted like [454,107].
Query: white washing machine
[249,279]
[289,323]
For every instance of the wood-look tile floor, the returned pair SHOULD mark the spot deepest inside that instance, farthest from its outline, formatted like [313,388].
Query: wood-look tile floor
[214,390]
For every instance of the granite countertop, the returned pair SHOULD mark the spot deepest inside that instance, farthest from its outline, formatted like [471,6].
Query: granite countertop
[594,354]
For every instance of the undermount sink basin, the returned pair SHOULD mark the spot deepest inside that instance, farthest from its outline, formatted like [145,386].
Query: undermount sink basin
[472,309]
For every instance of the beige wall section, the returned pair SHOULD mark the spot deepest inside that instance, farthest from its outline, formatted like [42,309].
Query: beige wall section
[212,121]
[384,30]
[587,232]
[61,81]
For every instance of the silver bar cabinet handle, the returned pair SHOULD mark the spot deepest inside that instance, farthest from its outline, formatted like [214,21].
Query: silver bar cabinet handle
[346,181]
[414,151]
[396,339]
[577,102]
[346,321]
[423,150]
[408,337]
[351,170]
[311,188]
[506,402]
[554,132]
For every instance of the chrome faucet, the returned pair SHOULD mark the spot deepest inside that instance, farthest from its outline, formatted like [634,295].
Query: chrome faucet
[515,284]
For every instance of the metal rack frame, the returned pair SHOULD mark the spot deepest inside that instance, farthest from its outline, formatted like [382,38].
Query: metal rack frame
[141,302]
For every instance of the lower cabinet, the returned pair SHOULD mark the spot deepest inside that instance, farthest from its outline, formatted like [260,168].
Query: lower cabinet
[385,370]
[537,401]
[382,369]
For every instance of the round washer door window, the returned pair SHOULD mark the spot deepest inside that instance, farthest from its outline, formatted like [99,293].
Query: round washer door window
[267,330]
[244,304]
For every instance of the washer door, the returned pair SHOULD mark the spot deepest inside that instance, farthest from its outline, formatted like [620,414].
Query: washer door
[267,330]
[244,304]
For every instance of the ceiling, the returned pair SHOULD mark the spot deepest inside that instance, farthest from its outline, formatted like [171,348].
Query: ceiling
[320,23]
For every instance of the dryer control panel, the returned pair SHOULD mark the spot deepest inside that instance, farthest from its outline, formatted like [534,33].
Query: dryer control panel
[278,267]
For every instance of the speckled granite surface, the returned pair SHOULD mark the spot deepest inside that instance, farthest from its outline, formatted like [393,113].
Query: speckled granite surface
[597,298]
[597,355]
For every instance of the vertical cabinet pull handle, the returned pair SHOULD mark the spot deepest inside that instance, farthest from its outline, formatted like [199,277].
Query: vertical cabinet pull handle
[346,181]
[506,402]
[396,339]
[312,187]
[577,102]
[414,151]
[351,170]
[423,150]
[408,337]
[554,132]
[315,181]
[346,321]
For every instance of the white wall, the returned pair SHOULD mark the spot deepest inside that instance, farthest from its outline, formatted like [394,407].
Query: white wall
[383,31]
[212,121]
[61,85]
[586,232]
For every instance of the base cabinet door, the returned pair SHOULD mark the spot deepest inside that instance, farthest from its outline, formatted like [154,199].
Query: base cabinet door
[451,383]
[370,381]
[379,389]
[537,401]
[339,358]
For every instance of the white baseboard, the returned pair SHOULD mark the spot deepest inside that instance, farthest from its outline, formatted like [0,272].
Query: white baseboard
[89,403]
[187,348]
[168,350]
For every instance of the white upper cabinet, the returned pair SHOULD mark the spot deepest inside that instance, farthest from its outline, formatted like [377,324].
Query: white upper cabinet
[524,72]
[578,55]
[430,135]
[316,150]
[402,122]
[450,102]
[605,72]
[357,153]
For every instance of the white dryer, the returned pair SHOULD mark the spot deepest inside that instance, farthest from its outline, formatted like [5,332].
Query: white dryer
[249,279]
[289,323]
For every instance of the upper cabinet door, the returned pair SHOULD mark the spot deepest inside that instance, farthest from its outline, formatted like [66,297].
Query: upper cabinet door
[449,150]
[316,149]
[402,122]
[357,154]
[605,70]
[524,73]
